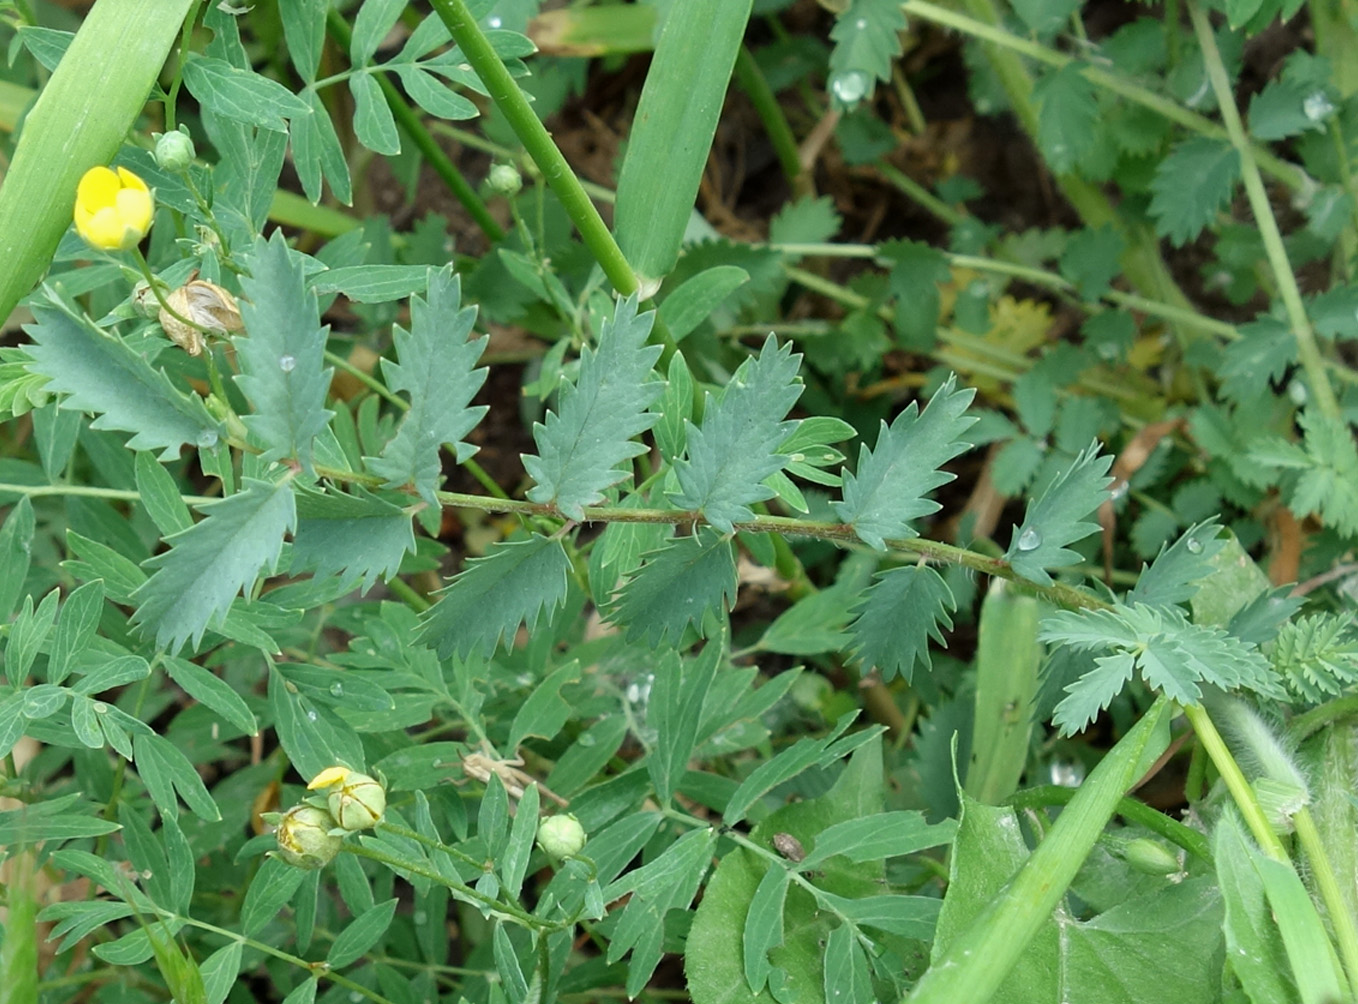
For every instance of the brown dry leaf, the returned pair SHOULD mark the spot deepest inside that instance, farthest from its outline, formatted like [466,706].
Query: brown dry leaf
[1133,456]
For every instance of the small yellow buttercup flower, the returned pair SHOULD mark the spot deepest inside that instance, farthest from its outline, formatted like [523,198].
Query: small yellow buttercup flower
[113,209]
[356,800]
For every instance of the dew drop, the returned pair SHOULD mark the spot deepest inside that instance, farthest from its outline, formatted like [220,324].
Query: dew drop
[1194,545]
[1030,539]
[420,917]
[861,24]
[493,22]
[312,716]
[336,690]
[100,708]
[1317,106]
[587,740]
[849,88]
[287,363]
[207,439]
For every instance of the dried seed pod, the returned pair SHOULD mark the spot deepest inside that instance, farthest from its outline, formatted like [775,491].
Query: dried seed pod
[305,837]
[208,306]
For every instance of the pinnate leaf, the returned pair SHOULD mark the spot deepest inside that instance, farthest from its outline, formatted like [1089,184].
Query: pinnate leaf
[867,42]
[281,361]
[1191,186]
[358,537]
[584,444]
[196,580]
[1060,516]
[893,481]
[512,585]
[437,369]
[1172,578]
[735,448]
[1067,127]
[902,610]
[678,585]
[100,373]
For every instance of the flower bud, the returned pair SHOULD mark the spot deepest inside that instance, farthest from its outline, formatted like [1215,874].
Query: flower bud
[356,800]
[305,839]
[1150,857]
[561,836]
[174,151]
[113,210]
[504,179]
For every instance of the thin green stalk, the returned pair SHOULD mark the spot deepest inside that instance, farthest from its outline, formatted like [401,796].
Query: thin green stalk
[185,41]
[407,595]
[1307,349]
[414,127]
[1288,173]
[770,112]
[1236,783]
[366,379]
[913,190]
[1317,718]
[89,491]
[1134,811]
[1345,933]
[538,142]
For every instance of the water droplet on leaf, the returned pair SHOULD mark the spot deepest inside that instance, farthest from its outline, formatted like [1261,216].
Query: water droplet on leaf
[287,363]
[336,690]
[849,88]
[1194,545]
[207,439]
[1317,106]
[311,715]
[493,22]
[1030,539]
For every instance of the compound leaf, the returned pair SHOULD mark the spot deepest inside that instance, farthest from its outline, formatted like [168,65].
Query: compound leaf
[1060,517]
[437,369]
[102,374]
[735,448]
[1191,186]
[359,537]
[209,563]
[493,595]
[867,41]
[281,362]
[1172,578]
[678,585]
[898,615]
[584,444]
[893,482]
[1067,127]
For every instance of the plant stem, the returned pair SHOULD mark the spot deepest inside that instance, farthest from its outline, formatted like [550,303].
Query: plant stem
[411,122]
[766,106]
[1236,783]
[1307,349]
[538,142]
[1128,808]
[1328,886]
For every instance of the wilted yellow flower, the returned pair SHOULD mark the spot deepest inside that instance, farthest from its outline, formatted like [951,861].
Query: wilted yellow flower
[356,800]
[305,838]
[113,209]
[208,306]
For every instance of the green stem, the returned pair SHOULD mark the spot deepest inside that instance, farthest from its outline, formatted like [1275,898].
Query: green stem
[1307,349]
[1236,782]
[408,595]
[185,40]
[437,845]
[433,154]
[770,112]
[537,141]
[1317,718]
[1328,886]
[1128,808]
[913,190]
[366,379]
[89,491]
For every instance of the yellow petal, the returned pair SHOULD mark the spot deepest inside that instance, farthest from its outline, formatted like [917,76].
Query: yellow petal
[103,229]
[130,180]
[135,209]
[97,189]
[329,776]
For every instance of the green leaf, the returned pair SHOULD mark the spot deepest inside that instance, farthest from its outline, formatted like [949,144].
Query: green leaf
[586,443]
[916,271]
[1059,516]
[75,628]
[512,585]
[846,968]
[207,565]
[903,609]
[437,369]
[1254,947]
[867,41]
[675,712]
[16,539]
[374,125]
[303,993]
[1191,186]
[694,300]
[1068,117]
[682,584]
[1045,17]
[93,561]
[1316,656]
[735,448]
[317,153]
[272,886]
[29,631]
[814,624]
[764,925]
[1092,260]
[375,20]
[64,818]
[1173,577]
[114,672]
[312,735]
[102,374]
[872,838]
[1265,350]
[800,756]
[1328,487]
[433,96]
[362,933]
[282,359]
[507,965]
[1288,108]
[165,770]
[304,32]
[372,283]
[203,686]
[220,970]
[545,711]
[240,94]
[893,481]
[672,132]
[358,537]
[514,858]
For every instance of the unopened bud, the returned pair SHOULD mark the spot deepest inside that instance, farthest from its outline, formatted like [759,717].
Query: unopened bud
[1149,857]
[305,839]
[561,837]
[174,151]
[356,800]
[504,179]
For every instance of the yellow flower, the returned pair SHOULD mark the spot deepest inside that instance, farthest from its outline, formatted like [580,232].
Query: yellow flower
[112,209]
[356,800]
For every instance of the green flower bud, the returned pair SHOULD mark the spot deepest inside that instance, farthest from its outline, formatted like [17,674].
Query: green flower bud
[504,179]
[174,151]
[561,836]
[1150,857]
[356,800]
[304,837]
